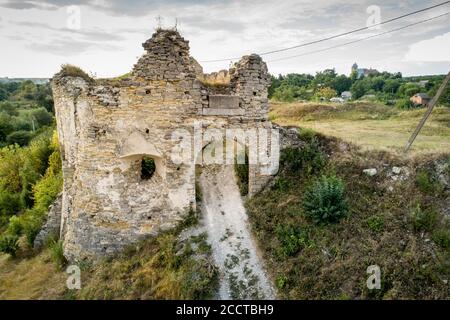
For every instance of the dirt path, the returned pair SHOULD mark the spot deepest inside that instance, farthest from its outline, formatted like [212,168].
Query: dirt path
[234,250]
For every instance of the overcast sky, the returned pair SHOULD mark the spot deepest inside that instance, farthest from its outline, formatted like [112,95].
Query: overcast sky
[38,36]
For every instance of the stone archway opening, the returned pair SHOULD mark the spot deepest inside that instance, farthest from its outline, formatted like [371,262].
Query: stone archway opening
[242,169]
[228,152]
[221,186]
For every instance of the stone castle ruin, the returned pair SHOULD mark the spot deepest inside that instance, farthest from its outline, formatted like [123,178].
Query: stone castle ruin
[109,127]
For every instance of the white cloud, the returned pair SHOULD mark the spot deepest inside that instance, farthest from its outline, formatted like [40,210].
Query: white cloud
[109,41]
[432,50]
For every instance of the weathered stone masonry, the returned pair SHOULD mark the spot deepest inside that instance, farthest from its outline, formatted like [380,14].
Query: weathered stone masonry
[106,127]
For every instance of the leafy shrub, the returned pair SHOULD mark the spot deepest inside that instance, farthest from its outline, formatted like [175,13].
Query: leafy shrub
[404,104]
[47,189]
[9,205]
[375,223]
[42,157]
[325,93]
[9,108]
[57,253]
[282,184]
[21,137]
[307,134]
[324,202]
[292,239]
[9,244]
[33,220]
[423,220]
[442,238]
[425,182]
[15,226]
[281,281]
[308,159]
[41,116]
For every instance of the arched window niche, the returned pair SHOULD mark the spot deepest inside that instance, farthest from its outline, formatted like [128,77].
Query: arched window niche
[146,158]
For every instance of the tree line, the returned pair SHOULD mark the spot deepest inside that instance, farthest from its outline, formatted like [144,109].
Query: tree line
[385,87]
[30,163]
[26,109]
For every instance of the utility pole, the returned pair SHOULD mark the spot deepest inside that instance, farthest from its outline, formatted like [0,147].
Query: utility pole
[428,112]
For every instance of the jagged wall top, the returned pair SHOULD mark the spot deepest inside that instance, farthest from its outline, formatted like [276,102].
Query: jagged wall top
[166,58]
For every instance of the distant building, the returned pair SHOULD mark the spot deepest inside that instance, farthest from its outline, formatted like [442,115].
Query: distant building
[420,98]
[363,71]
[346,95]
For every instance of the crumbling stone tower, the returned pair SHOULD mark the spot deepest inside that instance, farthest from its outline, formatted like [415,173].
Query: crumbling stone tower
[106,127]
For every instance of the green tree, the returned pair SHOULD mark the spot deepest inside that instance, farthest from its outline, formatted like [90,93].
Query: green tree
[41,116]
[8,108]
[341,83]
[21,137]
[28,90]
[358,89]
[326,93]
[325,78]
[3,94]
[407,90]
[391,86]
[275,82]
[5,126]
[377,83]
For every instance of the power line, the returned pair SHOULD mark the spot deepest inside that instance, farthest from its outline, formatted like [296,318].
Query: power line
[337,35]
[360,40]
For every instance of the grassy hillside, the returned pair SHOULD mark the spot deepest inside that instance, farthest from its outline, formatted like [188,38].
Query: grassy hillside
[395,221]
[369,124]
[171,266]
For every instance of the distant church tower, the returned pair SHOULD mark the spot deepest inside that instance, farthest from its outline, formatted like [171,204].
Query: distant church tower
[354,67]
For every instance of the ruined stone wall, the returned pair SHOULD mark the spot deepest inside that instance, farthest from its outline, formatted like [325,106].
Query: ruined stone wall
[107,126]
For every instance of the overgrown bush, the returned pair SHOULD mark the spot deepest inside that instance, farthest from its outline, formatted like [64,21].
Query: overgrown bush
[423,220]
[442,238]
[404,104]
[292,239]
[324,202]
[308,159]
[375,223]
[20,137]
[15,226]
[281,281]
[426,183]
[9,244]
[37,192]
[57,253]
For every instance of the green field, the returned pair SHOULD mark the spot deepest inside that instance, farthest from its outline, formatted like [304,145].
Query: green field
[370,125]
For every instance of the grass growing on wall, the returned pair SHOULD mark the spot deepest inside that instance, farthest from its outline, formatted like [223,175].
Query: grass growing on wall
[68,70]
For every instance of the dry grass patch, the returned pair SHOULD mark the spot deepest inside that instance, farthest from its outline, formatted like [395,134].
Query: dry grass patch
[369,125]
[31,278]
